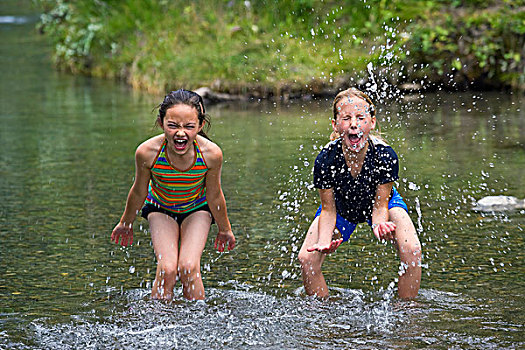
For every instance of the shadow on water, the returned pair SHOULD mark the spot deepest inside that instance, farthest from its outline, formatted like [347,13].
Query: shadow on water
[66,164]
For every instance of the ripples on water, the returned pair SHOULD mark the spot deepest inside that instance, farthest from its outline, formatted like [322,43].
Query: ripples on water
[240,318]
[228,318]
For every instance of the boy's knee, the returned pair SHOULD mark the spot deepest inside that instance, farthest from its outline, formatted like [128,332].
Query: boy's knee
[411,249]
[303,258]
[307,259]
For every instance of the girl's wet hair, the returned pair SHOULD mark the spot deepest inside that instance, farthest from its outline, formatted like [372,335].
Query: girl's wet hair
[349,93]
[188,98]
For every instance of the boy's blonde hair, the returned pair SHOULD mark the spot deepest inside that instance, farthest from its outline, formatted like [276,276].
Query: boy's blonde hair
[353,92]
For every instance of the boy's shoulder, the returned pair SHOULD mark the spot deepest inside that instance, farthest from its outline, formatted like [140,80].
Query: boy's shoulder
[382,149]
[328,153]
[330,146]
[380,144]
[377,141]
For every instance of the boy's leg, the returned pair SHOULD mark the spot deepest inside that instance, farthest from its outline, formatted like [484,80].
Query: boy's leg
[311,262]
[165,239]
[194,232]
[409,251]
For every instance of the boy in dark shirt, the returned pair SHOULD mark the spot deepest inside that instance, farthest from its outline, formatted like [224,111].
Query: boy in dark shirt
[355,175]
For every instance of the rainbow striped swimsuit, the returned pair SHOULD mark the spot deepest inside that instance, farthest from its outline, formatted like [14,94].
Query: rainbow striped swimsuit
[174,190]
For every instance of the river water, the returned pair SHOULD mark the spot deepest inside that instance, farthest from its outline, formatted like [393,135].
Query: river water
[66,165]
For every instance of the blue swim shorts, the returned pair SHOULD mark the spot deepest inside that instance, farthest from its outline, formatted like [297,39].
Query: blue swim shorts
[347,228]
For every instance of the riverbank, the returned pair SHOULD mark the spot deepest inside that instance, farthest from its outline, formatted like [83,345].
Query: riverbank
[290,49]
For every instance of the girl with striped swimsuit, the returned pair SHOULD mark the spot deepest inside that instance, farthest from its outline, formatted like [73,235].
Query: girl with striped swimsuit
[178,177]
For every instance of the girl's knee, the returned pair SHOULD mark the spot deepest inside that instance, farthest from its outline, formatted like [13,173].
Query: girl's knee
[188,269]
[168,270]
[164,281]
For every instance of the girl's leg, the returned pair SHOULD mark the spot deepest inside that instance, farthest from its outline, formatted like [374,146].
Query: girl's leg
[311,262]
[165,238]
[194,232]
[409,251]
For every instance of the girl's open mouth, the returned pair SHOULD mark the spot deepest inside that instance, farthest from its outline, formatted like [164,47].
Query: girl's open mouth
[180,144]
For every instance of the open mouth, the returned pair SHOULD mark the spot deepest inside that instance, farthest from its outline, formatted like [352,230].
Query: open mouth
[355,139]
[180,144]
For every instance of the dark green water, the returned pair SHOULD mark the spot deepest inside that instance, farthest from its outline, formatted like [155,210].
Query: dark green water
[66,165]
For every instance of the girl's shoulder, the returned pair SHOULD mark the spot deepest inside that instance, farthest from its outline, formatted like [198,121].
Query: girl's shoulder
[148,150]
[153,143]
[211,152]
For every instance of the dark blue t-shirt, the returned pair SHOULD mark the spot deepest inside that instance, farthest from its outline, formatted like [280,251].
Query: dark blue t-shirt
[354,197]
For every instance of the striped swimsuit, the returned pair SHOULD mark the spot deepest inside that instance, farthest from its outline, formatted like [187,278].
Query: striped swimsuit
[177,191]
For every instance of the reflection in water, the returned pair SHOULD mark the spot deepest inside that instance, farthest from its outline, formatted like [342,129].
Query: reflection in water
[16,20]
[66,157]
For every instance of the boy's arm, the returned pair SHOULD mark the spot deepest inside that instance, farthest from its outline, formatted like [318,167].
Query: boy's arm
[382,227]
[326,227]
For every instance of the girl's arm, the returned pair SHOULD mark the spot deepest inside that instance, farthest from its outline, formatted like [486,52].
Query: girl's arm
[123,231]
[326,224]
[216,200]
[382,227]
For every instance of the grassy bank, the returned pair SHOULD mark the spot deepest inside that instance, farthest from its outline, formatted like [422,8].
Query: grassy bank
[288,48]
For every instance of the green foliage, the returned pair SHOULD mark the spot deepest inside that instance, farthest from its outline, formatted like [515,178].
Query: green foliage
[73,34]
[484,47]
[275,46]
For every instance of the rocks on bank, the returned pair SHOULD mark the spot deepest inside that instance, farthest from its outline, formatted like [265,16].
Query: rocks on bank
[499,203]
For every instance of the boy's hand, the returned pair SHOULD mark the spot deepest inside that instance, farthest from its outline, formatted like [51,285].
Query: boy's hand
[326,248]
[384,230]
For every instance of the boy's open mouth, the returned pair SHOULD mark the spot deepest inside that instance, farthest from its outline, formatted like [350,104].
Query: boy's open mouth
[355,139]
[180,144]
